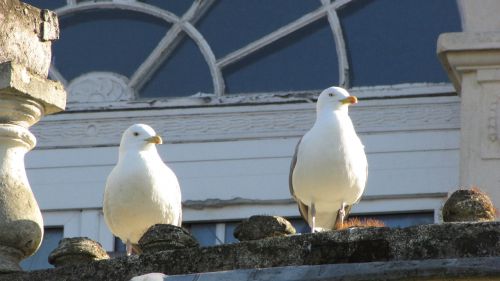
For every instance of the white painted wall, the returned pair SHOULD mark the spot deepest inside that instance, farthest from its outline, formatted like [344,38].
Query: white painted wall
[412,146]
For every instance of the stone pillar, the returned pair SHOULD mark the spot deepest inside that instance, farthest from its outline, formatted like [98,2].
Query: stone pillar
[25,96]
[472,60]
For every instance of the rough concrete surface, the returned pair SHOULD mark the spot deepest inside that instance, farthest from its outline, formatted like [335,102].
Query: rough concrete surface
[25,35]
[425,242]
[441,269]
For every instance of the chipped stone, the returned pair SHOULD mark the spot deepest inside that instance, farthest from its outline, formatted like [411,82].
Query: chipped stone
[30,45]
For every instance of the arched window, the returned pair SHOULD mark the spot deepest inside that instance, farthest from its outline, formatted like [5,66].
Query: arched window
[125,50]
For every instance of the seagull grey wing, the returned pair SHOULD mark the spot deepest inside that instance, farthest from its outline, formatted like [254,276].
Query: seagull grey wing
[303,208]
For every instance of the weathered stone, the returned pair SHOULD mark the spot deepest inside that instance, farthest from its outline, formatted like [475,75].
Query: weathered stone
[77,250]
[16,82]
[259,227]
[479,269]
[468,205]
[350,246]
[25,34]
[163,237]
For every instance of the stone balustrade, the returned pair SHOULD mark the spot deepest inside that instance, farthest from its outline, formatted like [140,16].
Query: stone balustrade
[26,95]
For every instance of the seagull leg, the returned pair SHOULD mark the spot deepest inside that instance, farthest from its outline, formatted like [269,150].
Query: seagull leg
[128,246]
[339,222]
[313,216]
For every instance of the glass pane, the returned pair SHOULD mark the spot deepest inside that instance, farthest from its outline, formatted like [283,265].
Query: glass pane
[230,25]
[402,220]
[304,60]
[178,7]
[300,225]
[39,260]
[229,235]
[184,73]
[392,42]
[120,247]
[45,4]
[110,40]
[390,220]
[204,233]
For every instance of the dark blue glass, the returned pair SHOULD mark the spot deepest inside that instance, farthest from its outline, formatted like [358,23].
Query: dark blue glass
[39,260]
[109,40]
[402,220]
[204,233]
[394,41]
[178,7]
[389,220]
[229,232]
[303,60]
[184,73]
[46,4]
[230,25]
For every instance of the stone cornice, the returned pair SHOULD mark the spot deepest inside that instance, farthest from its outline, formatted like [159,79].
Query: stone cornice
[225,123]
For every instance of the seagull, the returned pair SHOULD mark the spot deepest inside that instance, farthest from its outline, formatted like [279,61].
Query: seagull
[141,190]
[329,169]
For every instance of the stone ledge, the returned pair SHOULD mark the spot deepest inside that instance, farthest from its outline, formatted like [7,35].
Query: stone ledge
[436,269]
[461,52]
[425,242]
[16,80]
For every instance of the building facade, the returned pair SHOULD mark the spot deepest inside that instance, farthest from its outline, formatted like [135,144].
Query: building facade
[231,86]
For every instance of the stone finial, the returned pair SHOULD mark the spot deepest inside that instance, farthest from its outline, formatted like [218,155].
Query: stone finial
[163,237]
[77,250]
[468,205]
[259,227]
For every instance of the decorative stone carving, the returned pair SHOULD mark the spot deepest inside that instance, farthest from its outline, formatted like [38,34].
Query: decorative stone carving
[24,98]
[229,123]
[77,250]
[99,87]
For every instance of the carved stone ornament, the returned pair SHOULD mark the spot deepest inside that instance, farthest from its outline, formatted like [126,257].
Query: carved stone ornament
[99,87]
[494,119]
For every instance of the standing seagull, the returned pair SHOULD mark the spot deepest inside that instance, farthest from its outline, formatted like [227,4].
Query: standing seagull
[329,169]
[141,190]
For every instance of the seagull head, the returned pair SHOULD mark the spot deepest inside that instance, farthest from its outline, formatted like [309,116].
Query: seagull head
[335,98]
[139,137]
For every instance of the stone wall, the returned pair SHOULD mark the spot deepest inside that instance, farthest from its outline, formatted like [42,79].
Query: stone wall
[455,241]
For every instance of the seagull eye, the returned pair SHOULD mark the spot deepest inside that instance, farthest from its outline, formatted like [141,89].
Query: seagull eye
[331,95]
[136,134]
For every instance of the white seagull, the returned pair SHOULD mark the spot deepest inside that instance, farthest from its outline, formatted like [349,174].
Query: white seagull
[329,170]
[140,190]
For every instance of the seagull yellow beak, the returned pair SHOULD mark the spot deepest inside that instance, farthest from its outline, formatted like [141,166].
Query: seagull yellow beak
[155,140]
[350,100]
